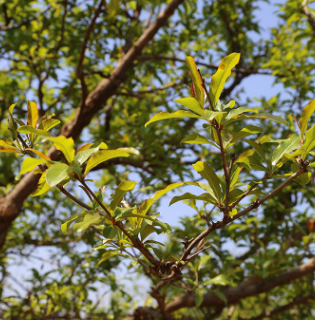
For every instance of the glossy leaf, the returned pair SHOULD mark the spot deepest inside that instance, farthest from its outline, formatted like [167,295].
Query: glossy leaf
[192,104]
[30,130]
[178,114]
[120,192]
[189,196]
[206,172]
[309,143]
[88,220]
[48,124]
[197,80]
[286,146]
[196,138]
[42,186]
[246,131]
[146,231]
[56,173]
[219,78]
[107,255]
[272,118]
[29,164]
[105,155]
[65,145]
[236,112]
[252,163]
[32,115]
[220,280]
[65,226]
[257,147]
[40,154]
[307,112]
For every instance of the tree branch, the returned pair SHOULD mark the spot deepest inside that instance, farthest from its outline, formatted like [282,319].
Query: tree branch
[11,204]
[245,289]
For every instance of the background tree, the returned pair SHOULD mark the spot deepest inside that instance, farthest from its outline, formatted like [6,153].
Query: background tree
[104,68]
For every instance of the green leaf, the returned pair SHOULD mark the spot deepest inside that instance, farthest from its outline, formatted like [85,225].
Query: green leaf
[246,131]
[197,80]
[120,191]
[42,186]
[252,163]
[88,220]
[65,145]
[48,124]
[309,143]
[220,295]
[206,172]
[146,231]
[30,130]
[219,78]
[285,146]
[257,147]
[12,106]
[65,226]
[158,253]
[218,115]
[235,194]
[220,280]
[32,115]
[108,254]
[303,178]
[105,155]
[6,147]
[178,114]
[199,297]
[56,173]
[305,116]
[29,164]
[272,118]
[110,232]
[192,104]
[189,196]
[196,138]
[83,155]
[236,112]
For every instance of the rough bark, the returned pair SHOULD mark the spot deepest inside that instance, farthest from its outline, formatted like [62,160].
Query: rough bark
[11,204]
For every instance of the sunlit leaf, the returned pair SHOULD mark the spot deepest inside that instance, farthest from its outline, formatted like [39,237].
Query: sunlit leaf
[246,131]
[236,112]
[88,220]
[178,114]
[105,155]
[32,115]
[120,191]
[30,130]
[199,297]
[192,104]
[286,146]
[48,124]
[65,226]
[189,196]
[219,78]
[56,173]
[196,138]
[197,80]
[305,116]
[42,186]
[207,172]
[65,145]
[29,164]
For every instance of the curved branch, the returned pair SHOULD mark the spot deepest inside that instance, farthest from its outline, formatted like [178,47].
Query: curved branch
[246,289]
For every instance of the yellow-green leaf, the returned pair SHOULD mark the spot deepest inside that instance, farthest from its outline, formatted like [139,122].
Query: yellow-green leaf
[42,186]
[207,172]
[192,104]
[32,115]
[65,145]
[305,116]
[120,191]
[219,78]
[178,114]
[32,131]
[56,173]
[29,164]
[197,80]
[105,155]
[107,255]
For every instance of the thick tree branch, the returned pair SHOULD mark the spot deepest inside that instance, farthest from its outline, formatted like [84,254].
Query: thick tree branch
[11,204]
[245,289]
